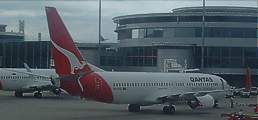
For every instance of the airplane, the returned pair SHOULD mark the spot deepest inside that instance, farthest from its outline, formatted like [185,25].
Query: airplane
[29,80]
[137,89]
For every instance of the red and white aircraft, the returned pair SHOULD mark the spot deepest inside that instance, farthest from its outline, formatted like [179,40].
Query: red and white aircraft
[134,88]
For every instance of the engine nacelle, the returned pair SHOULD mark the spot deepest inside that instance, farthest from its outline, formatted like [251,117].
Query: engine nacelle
[203,102]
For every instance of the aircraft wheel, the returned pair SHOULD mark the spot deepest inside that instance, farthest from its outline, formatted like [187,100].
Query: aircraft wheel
[57,91]
[18,94]
[134,108]
[38,95]
[169,109]
[216,104]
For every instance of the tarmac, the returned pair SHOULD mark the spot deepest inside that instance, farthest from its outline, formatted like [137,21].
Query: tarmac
[52,107]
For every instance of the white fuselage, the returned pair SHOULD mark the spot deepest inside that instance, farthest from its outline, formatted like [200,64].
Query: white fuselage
[12,80]
[143,87]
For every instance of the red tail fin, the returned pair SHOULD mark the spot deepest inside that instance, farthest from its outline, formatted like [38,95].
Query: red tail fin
[67,58]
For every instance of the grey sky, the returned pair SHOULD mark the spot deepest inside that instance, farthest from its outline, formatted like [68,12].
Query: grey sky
[81,17]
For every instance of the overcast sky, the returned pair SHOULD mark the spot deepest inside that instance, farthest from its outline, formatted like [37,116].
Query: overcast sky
[81,16]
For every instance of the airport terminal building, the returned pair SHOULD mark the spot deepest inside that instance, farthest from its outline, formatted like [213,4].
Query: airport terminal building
[164,42]
[153,42]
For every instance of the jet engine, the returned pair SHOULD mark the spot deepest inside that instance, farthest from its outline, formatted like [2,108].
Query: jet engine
[202,102]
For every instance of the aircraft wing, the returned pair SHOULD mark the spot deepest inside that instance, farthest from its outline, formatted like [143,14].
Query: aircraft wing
[35,87]
[39,85]
[199,93]
[163,96]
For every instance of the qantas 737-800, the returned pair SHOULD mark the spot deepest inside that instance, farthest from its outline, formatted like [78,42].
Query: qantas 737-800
[134,88]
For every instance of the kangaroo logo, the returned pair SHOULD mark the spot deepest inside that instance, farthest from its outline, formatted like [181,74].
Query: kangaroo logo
[75,64]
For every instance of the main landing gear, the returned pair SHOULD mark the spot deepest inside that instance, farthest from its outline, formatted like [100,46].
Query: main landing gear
[134,108]
[18,94]
[38,94]
[169,109]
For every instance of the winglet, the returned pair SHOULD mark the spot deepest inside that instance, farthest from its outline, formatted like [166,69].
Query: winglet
[27,67]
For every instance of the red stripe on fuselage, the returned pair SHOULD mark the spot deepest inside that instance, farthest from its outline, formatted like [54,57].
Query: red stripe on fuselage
[96,88]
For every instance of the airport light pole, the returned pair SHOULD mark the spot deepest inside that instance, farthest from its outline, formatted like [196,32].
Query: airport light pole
[99,47]
[203,35]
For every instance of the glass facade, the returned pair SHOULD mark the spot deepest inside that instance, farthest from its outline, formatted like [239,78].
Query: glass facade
[187,32]
[140,56]
[135,56]
[110,60]
[153,33]
[11,38]
[228,57]
[231,19]
[148,20]
[217,32]
[215,57]
[195,32]
[35,54]
[244,19]
[141,33]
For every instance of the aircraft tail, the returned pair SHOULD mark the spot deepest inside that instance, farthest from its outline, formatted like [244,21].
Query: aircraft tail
[67,58]
[69,63]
